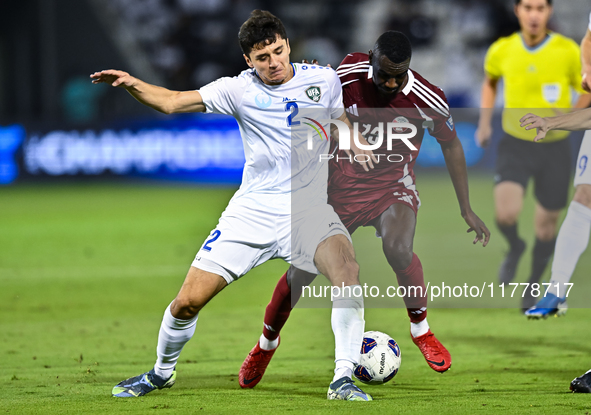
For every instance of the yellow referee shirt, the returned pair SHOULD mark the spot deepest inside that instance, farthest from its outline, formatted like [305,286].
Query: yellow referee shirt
[535,78]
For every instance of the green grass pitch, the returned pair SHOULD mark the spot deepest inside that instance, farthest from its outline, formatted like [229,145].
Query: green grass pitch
[86,272]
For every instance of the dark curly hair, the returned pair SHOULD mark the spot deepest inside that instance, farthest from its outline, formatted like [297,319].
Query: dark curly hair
[394,45]
[547,1]
[261,29]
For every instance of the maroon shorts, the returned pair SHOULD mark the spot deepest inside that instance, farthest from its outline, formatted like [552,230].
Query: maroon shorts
[358,207]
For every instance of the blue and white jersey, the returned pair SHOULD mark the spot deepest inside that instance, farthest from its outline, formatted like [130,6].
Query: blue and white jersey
[277,166]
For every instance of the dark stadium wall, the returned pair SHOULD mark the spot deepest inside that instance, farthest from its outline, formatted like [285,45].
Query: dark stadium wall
[44,45]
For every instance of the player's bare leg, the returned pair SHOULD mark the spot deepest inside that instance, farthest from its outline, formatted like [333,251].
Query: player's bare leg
[572,241]
[397,228]
[335,258]
[178,326]
[508,205]
[197,290]
[583,195]
[285,296]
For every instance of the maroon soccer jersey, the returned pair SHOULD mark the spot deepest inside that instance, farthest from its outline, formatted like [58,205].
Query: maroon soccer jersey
[359,196]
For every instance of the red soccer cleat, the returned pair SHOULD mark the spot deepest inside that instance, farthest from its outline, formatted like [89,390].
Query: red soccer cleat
[254,366]
[435,353]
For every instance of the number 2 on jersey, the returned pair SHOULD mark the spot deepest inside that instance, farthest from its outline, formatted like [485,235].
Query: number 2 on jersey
[292,107]
[214,236]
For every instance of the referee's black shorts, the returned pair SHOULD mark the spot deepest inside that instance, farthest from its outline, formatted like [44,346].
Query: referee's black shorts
[548,163]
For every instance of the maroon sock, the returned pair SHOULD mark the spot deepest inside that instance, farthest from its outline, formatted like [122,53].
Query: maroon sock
[278,309]
[412,276]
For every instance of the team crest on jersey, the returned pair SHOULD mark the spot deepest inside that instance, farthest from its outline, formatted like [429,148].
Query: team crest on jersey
[262,100]
[314,93]
[551,92]
[399,129]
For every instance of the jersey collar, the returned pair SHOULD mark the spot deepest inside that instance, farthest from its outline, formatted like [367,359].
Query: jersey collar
[254,71]
[538,46]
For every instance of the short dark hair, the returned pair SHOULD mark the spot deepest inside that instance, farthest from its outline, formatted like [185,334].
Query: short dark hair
[394,45]
[547,1]
[261,29]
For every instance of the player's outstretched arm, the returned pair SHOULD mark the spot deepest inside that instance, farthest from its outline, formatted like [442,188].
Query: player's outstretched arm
[573,121]
[583,101]
[161,99]
[456,166]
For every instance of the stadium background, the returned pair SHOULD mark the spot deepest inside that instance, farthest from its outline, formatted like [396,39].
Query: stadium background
[104,202]
[56,123]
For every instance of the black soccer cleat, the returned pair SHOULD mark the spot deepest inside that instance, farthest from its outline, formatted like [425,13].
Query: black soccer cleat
[582,384]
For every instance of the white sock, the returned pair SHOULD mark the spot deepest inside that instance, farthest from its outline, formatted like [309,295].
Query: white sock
[344,368]
[418,329]
[267,344]
[348,326]
[174,333]
[572,241]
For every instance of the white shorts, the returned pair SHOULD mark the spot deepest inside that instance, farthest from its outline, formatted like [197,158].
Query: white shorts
[245,238]
[583,168]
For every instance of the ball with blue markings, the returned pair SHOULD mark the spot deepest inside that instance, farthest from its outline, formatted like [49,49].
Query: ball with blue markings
[379,360]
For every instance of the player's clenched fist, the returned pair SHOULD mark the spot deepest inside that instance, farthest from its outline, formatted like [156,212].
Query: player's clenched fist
[114,78]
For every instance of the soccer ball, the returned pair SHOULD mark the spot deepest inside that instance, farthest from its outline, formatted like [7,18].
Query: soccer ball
[380,358]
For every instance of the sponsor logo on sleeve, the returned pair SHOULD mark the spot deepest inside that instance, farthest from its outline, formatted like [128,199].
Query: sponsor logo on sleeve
[450,123]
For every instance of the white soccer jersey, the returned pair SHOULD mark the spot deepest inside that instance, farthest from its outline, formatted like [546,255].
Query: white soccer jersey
[275,165]
[583,167]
